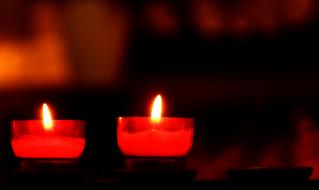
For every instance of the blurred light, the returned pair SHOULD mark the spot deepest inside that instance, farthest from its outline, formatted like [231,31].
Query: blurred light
[208,18]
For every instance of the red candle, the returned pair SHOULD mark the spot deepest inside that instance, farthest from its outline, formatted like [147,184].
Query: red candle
[155,136]
[48,138]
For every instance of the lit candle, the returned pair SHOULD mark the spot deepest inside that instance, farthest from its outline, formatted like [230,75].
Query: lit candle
[48,138]
[155,136]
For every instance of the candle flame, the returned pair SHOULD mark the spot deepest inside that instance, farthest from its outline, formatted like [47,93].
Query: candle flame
[157,108]
[46,117]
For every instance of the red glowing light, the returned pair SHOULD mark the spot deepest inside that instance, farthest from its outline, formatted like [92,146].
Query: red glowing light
[156,112]
[46,117]
[48,138]
[166,137]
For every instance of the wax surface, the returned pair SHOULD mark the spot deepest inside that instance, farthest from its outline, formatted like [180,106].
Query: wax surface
[170,137]
[48,147]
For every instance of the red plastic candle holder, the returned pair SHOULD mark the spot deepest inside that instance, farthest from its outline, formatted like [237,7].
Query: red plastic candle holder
[146,137]
[66,139]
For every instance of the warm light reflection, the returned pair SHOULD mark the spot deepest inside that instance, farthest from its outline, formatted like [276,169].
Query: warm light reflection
[46,117]
[157,108]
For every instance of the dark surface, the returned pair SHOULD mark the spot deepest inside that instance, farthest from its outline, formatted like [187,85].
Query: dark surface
[78,181]
[271,174]
[61,174]
[65,174]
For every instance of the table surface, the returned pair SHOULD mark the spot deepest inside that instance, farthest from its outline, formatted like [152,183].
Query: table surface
[43,174]
[96,181]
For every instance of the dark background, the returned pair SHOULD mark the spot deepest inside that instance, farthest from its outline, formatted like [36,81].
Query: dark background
[245,70]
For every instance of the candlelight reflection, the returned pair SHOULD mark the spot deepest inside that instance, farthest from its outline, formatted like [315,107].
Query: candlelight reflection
[39,60]
[49,44]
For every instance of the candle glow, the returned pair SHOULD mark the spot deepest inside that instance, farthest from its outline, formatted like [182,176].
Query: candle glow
[155,136]
[156,112]
[46,118]
[48,138]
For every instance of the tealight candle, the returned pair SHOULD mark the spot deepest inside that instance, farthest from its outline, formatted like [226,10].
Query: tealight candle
[155,136]
[48,138]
